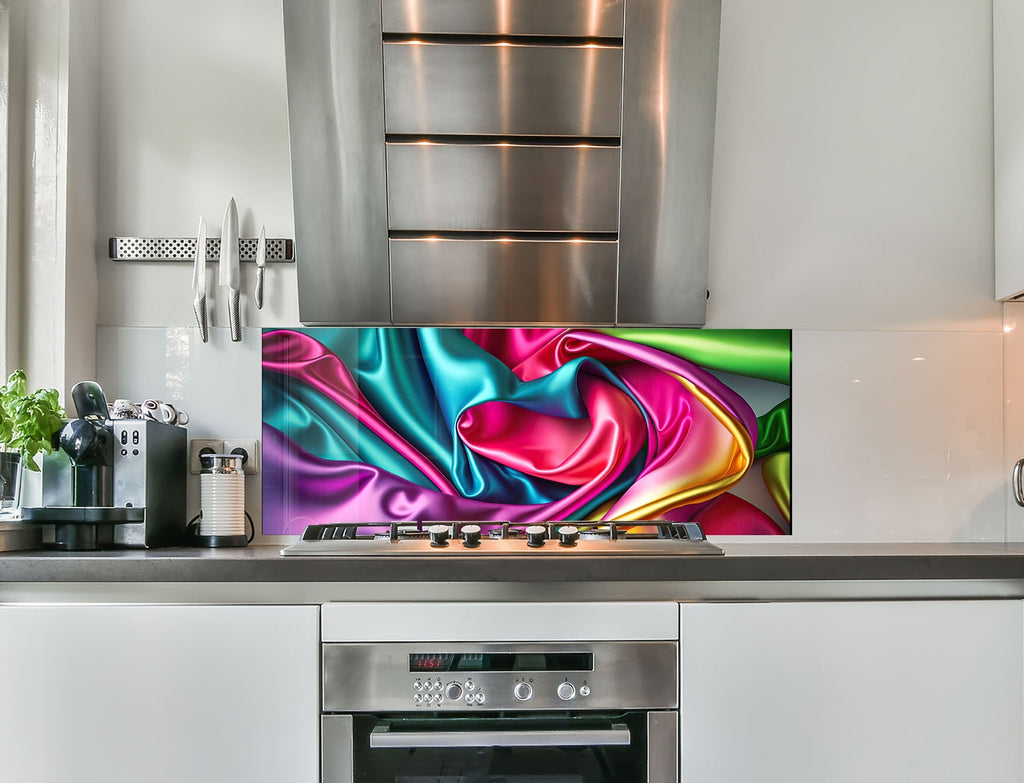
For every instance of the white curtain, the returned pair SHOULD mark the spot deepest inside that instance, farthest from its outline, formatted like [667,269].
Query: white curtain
[48,247]
[6,327]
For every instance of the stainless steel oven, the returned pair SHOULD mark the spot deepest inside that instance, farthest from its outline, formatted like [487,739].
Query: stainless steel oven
[521,712]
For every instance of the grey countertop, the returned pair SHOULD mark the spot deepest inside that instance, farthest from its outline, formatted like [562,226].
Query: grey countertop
[743,563]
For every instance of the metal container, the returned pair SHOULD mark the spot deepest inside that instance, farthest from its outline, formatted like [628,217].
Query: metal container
[222,496]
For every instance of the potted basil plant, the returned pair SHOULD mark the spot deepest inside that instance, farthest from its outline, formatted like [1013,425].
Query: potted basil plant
[28,423]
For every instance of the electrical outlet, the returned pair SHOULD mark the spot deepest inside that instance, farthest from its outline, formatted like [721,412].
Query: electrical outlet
[250,450]
[199,446]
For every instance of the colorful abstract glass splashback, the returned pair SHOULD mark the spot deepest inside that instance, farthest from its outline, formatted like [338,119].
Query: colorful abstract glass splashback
[527,425]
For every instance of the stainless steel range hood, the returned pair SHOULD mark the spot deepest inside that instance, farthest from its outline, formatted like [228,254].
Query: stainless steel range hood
[502,161]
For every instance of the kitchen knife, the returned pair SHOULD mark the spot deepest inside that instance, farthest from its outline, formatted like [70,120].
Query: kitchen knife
[229,275]
[199,282]
[261,262]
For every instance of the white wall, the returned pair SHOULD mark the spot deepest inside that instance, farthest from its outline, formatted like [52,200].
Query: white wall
[852,203]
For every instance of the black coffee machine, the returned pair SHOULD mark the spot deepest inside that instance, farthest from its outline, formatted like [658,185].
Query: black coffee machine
[114,482]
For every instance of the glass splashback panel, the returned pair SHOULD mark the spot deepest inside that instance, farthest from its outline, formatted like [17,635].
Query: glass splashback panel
[527,425]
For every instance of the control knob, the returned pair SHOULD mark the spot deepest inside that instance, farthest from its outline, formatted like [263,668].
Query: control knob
[453,691]
[438,535]
[568,535]
[522,691]
[535,535]
[470,535]
[566,691]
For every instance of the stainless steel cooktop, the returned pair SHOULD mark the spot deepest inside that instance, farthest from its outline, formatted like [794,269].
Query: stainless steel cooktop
[469,539]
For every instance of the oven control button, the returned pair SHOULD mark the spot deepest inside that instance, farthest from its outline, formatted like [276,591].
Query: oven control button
[584,690]
[535,535]
[417,686]
[479,698]
[470,685]
[438,698]
[566,691]
[523,691]
[438,535]
[469,698]
[453,691]
[417,699]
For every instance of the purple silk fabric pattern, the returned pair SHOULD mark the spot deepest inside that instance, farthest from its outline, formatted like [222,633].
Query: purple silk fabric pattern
[692,436]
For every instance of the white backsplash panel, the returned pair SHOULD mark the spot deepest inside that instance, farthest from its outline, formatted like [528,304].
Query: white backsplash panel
[1013,395]
[897,436]
[216,383]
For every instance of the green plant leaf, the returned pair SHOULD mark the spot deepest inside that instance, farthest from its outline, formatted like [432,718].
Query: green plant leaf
[28,421]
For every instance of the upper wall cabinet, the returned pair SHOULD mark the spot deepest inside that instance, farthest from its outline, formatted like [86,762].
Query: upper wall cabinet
[502,161]
[1008,107]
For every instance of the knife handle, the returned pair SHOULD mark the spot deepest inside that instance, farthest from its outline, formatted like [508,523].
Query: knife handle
[199,306]
[234,317]
[258,293]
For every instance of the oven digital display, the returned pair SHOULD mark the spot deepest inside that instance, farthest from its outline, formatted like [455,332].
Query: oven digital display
[501,662]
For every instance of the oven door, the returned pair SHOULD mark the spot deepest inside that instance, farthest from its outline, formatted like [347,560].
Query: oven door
[633,747]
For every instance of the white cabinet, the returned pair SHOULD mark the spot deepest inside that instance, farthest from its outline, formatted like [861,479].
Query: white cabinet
[852,691]
[1008,131]
[159,694]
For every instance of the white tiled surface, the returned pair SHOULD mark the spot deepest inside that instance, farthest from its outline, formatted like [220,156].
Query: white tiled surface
[897,436]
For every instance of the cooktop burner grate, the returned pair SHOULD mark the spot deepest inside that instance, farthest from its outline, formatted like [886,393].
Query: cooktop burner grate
[564,538]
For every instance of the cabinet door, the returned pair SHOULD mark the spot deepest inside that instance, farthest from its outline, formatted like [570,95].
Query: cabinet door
[880,691]
[1008,151]
[159,694]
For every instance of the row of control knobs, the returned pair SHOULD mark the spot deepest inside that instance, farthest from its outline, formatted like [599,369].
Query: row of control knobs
[536,535]
[454,691]
[565,691]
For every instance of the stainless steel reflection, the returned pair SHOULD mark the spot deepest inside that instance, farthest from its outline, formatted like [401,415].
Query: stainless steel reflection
[336,120]
[485,73]
[376,677]
[336,748]
[593,18]
[668,133]
[502,187]
[662,746]
[495,281]
[450,88]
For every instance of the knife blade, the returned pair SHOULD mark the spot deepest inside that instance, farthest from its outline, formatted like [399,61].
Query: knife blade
[199,282]
[261,262]
[229,274]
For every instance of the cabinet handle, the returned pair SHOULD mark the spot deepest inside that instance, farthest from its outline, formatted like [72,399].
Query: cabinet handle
[1018,487]
[382,737]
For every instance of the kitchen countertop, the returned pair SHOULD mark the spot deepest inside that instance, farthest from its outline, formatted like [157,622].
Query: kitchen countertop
[751,571]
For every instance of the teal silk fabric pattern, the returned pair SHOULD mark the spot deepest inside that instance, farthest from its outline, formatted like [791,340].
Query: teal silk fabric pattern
[525,425]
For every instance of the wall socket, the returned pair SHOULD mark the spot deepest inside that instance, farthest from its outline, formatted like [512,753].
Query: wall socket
[250,450]
[249,446]
[198,446]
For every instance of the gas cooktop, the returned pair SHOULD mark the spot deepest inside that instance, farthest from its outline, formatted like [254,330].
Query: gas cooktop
[457,539]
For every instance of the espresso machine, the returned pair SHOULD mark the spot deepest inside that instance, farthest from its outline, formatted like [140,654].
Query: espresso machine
[112,482]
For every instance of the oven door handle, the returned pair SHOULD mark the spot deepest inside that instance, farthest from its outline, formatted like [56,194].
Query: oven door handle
[382,737]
